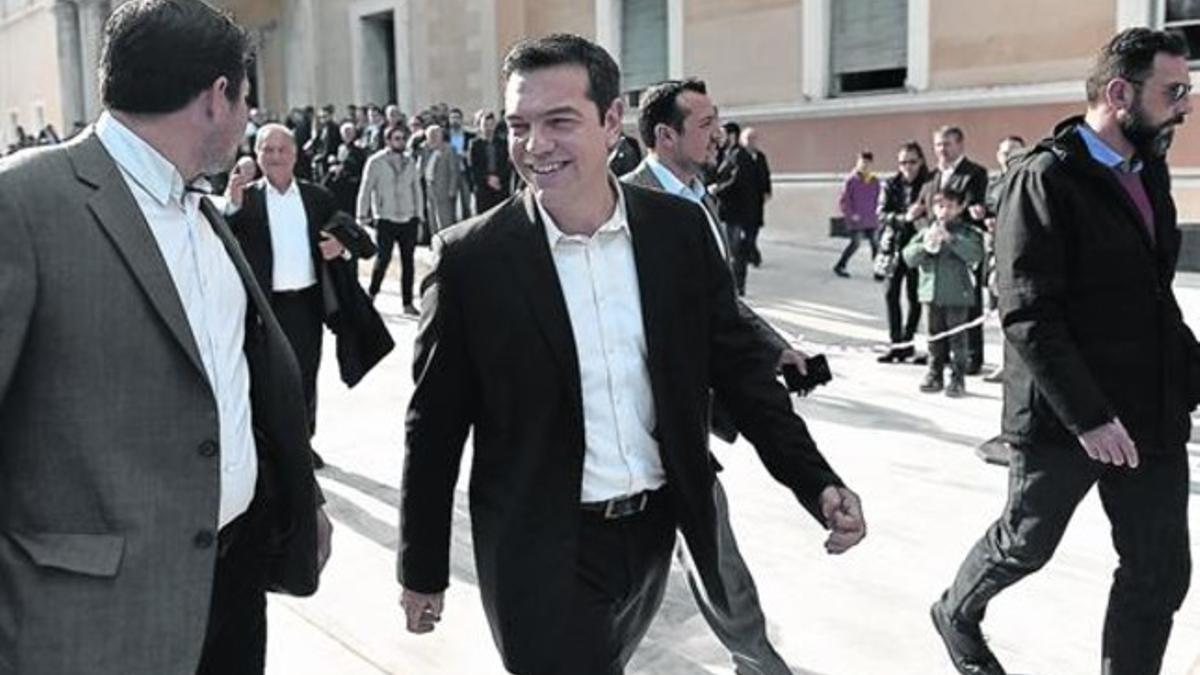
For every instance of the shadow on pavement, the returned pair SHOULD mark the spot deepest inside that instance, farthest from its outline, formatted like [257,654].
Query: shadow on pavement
[863,415]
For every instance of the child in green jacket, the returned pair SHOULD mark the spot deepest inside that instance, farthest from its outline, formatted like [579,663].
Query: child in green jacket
[946,253]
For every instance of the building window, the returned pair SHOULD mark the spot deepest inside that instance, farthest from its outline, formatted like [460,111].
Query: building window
[1183,17]
[644,58]
[868,45]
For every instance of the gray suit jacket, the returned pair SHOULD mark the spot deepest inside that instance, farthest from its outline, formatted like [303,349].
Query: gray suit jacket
[109,468]
[722,426]
[445,173]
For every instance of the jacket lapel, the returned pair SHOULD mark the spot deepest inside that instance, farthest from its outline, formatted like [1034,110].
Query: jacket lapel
[257,299]
[534,269]
[652,260]
[118,214]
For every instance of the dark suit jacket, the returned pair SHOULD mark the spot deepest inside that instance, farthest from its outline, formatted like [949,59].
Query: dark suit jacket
[478,155]
[495,354]
[362,337]
[743,183]
[1092,325]
[968,178]
[773,343]
[109,473]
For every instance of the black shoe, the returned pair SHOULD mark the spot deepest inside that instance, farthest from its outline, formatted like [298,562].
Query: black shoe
[841,272]
[994,451]
[957,387]
[318,462]
[904,353]
[890,357]
[974,368]
[932,383]
[921,360]
[965,644]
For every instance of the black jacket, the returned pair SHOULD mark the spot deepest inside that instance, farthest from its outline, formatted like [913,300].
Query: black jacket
[898,196]
[362,338]
[1092,326]
[477,152]
[516,386]
[743,183]
[969,178]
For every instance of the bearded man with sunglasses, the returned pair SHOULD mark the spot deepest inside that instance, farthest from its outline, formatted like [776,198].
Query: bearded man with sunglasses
[1101,372]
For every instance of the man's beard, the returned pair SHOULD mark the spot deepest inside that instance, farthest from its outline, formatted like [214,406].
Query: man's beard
[1150,140]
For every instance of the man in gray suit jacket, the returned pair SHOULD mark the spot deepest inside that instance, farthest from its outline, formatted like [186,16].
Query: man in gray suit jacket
[439,168]
[678,124]
[155,476]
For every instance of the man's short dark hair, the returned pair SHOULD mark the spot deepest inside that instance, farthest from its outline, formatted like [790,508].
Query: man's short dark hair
[867,155]
[1129,55]
[565,49]
[947,131]
[660,105]
[158,55]
[732,129]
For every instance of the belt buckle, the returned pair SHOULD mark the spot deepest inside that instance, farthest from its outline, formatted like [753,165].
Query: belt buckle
[622,506]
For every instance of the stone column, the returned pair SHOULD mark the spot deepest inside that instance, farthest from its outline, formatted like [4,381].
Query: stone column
[70,67]
[92,14]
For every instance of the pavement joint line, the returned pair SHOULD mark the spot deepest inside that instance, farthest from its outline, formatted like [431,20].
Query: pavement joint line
[293,607]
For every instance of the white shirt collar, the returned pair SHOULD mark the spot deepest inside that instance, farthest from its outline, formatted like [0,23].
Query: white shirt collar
[618,221]
[954,165]
[291,190]
[140,161]
[671,183]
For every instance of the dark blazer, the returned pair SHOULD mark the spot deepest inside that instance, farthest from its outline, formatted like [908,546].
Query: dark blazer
[478,154]
[743,183]
[969,178]
[109,469]
[516,385]
[1092,325]
[772,342]
[362,337]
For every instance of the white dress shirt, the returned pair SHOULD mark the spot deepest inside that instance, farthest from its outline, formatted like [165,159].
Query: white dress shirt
[291,251]
[211,293]
[600,285]
[694,193]
[944,175]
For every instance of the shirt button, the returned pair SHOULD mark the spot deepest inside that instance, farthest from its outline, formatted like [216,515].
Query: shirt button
[207,449]
[203,539]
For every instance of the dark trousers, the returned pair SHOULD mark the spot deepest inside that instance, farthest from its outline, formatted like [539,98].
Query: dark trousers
[621,577]
[753,255]
[235,642]
[975,335]
[905,278]
[1147,508]
[300,317]
[737,620]
[856,237]
[953,349]
[739,247]
[389,234]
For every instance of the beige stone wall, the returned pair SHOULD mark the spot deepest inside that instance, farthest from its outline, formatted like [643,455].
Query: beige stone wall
[748,51]
[517,19]
[1015,41]
[29,71]
[453,58]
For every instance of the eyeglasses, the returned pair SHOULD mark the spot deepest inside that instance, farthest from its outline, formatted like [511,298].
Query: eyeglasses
[908,162]
[1175,92]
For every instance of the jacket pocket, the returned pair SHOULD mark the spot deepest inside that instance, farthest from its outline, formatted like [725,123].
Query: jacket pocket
[97,555]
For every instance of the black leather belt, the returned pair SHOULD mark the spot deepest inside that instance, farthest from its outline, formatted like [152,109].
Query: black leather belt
[295,293]
[621,507]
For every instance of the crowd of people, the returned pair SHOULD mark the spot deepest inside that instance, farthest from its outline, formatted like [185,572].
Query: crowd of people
[157,395]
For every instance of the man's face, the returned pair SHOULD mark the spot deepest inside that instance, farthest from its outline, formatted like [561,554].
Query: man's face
[374,118]
[433,137]
[946,209]
[348,133]
[276,156]
[489,125]
[1005,151]
[396,141]
[696,146]
[947,148]
[455,119]
[558,142]
[1160,104]
[909,164]
[228,128]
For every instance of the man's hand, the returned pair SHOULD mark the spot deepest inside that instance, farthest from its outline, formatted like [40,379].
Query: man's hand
[330,247]
[493,181]
[793,357]
[990,223]
[239,178]
[977,211]
[915,211]
[324,538]
[843,513]
[422,611]
[1110,444]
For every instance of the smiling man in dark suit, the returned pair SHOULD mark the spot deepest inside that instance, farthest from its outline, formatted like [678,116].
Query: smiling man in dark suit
[609,316]
[155,477]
